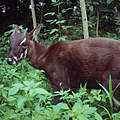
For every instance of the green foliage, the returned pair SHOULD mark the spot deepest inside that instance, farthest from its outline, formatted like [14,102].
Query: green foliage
[108,14]
[110,94]
[84,112]
[25,94]
[21,89]
[63,20]
[58,22]
[4,45]
[110,35]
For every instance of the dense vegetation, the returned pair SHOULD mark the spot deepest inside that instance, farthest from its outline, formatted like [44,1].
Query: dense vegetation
[25,93]
[106,12]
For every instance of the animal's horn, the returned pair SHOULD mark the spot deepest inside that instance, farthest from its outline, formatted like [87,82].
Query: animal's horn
[16,30]
[25,31]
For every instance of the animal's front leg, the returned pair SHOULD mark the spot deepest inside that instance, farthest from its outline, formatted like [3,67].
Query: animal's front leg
[59,82]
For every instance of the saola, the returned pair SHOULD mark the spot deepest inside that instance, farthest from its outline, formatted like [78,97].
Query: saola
[70,63]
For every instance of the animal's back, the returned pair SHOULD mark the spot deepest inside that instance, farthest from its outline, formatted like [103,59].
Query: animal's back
[88,59]
[91,42]
[92,51]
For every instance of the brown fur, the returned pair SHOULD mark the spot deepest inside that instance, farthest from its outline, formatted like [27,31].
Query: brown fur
[80,61]
[76,62]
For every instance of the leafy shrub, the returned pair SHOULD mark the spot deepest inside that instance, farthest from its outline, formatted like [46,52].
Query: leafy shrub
[57,21]
[26,94]
[21,89]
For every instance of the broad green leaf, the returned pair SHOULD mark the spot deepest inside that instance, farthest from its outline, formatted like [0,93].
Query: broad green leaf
[97,116]
[19,85]
[54,30]
[13,91]
[4,93]
[65,10]
[36,91]
[42,71]
[37,84]
[21,27]
[116,116]
[10,99]
[62,38]
[89,110]
[109,1]
[50,13]
[21,101]
[91,8]
[51,21]
[60,106]
[82,111]
[53,0]
[29,83]
[26,111]
[66,27]
[60,22]
[1,86]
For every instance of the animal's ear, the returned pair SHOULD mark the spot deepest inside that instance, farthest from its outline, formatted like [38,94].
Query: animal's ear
[34,32]
[16,30]
[30,35]
[24,40]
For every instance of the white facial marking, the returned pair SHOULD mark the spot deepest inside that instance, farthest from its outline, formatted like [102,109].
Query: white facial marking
[25,53]
[15,58]
[21,56]
[24,40]
[10,59]
[14,62]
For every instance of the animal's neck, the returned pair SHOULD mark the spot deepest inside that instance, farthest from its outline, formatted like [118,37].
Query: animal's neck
[36,51]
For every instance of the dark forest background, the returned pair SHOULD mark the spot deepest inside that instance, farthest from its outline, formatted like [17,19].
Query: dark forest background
[18,12]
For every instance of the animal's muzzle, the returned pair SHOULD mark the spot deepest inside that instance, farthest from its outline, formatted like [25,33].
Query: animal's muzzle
[10,61]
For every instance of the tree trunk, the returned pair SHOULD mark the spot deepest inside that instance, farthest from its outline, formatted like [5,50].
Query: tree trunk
[34,17]
[97,24]
[84,19]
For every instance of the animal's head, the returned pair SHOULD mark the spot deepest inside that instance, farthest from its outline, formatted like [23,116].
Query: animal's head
[18,46]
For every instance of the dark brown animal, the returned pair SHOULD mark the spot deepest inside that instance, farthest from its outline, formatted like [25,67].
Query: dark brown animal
[70,63]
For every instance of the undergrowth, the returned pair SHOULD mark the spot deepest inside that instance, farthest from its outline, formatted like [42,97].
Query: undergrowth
[25,94]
